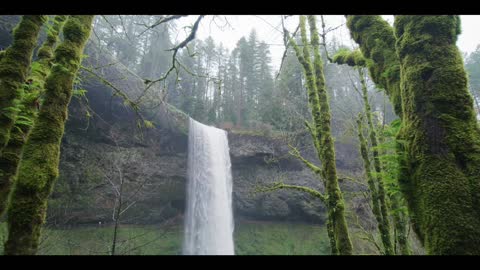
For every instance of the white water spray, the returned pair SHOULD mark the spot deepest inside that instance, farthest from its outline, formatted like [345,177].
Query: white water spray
[208,218]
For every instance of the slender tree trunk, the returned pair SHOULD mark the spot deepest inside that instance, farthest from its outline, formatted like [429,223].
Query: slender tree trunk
[14,67]
[400,222]
[336,202]
[117,214]
[318,101]
[38,169]
[400,216]
[10,156]
[373,190]
[384,228]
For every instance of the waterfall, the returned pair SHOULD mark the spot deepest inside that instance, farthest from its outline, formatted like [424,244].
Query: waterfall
[208,218]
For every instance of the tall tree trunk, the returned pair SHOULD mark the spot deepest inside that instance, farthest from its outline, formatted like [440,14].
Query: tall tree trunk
[38,169]
[377,44]
[10,156]
[399,215]
[318,101]
[357,60]
[438,145]
[323,125]
[117,213]
[384,232]
[442,138]
[400,222]
[14,67]
[384,227]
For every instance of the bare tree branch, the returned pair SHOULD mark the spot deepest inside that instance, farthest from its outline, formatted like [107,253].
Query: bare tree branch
[281,185]
[294,152]
[286,44]
[175,49]
[324,39]
[160,21]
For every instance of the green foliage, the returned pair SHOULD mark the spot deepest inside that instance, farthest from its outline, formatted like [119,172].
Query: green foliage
[79,93]
[389,157]
[255,238]
[321,135]
[26,106]
[14,67]
[148,124]
[381,218]
[38,168]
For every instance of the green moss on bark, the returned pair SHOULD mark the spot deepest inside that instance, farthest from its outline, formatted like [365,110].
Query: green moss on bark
[321,132]
[30,102]
[327,153]
[351,58]
[377,44]
[48,47]
[38,168]
[442,139]
[400,222]
[380,208]
[383,226]
[14,67]
[381,195]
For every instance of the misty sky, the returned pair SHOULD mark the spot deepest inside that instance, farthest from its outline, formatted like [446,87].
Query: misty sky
[269,28]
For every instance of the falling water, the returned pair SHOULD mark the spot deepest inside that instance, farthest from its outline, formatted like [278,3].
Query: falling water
[209,218]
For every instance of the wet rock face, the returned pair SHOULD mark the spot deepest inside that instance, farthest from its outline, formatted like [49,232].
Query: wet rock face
[154,166]
[85,193]
[99,151]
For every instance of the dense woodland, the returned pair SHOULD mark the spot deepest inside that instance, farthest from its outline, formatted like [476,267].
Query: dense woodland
[401,98]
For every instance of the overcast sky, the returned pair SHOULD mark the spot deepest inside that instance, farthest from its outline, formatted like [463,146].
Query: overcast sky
[269,28]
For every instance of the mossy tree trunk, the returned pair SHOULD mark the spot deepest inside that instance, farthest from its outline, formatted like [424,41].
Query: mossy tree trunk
[321,129]
[400,222]
[14,66]
[376,208]
[30,102]
[442,138]
[38,168]
[384,227]
[377,44]
[397,203]
[377,188]
[438,144]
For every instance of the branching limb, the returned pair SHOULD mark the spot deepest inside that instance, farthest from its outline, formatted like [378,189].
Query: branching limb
[366,235]
[286,38]
[175,49]
[135,106]
[294,152]
[324,39]
[281,185]
[160,21]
